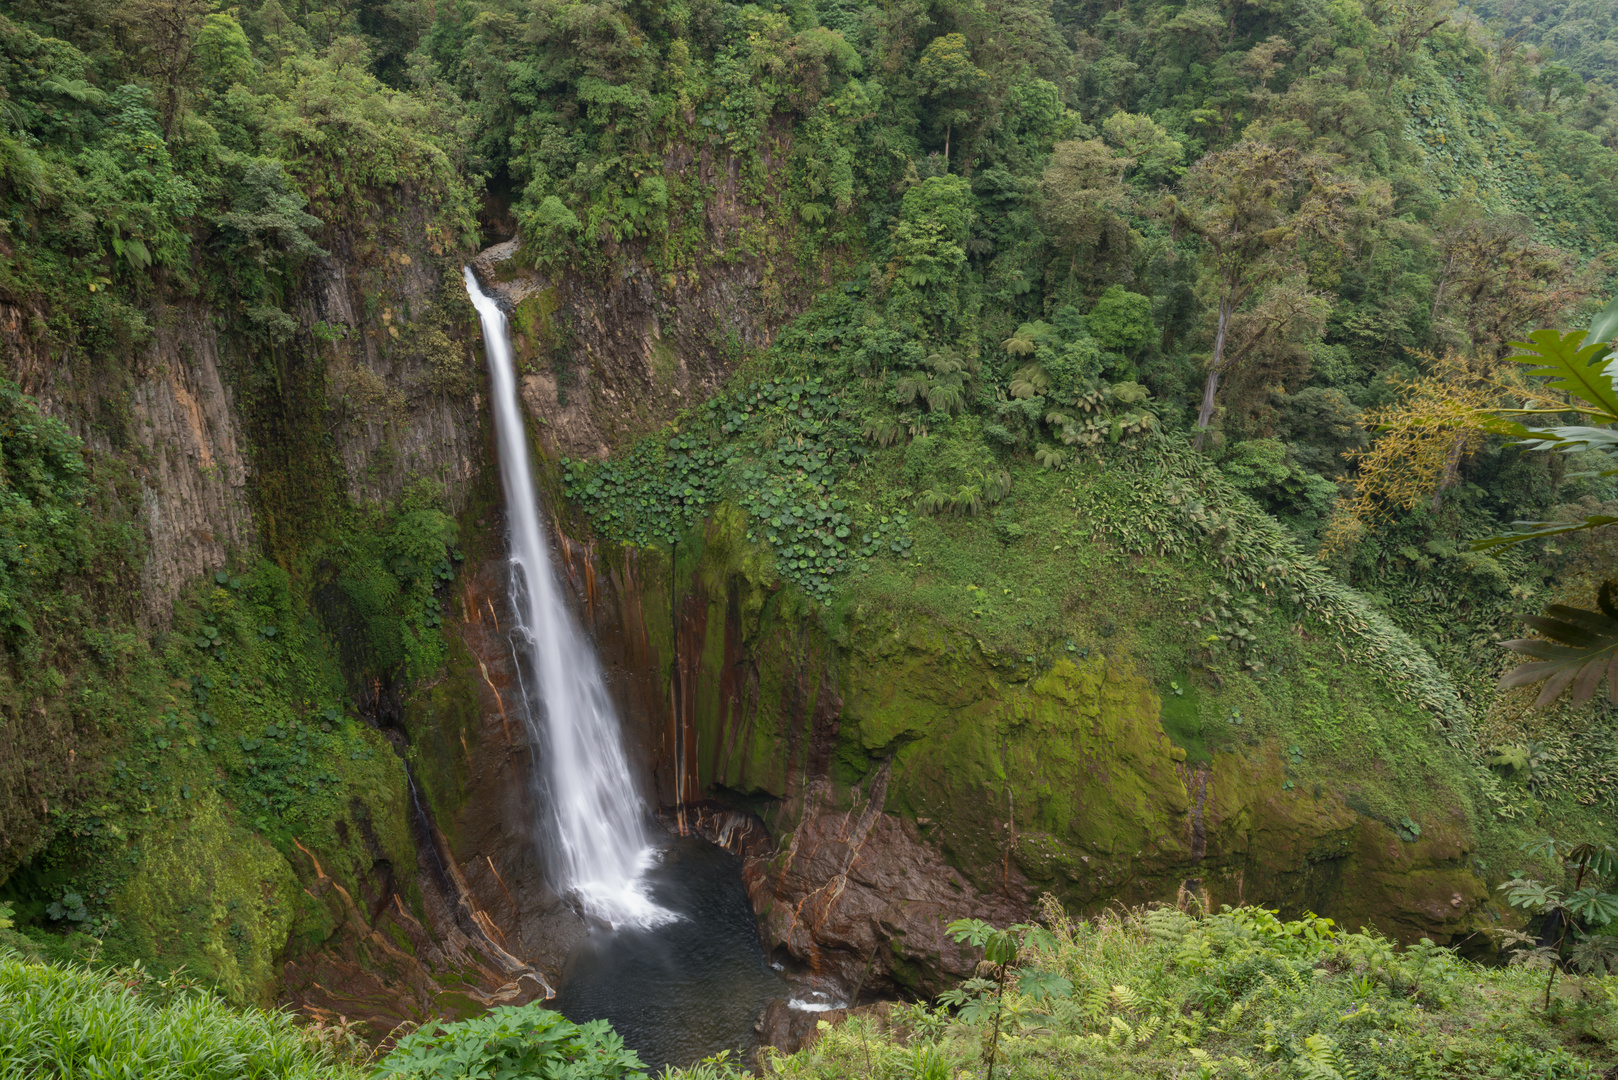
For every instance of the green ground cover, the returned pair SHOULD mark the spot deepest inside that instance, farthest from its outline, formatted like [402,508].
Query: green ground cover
[1149,993]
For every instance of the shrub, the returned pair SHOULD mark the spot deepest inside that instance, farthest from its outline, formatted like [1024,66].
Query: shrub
[514,1041]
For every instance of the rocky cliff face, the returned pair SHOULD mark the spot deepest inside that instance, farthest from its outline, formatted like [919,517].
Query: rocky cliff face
[896,778]
[603,365]
[884,781]
[878,781]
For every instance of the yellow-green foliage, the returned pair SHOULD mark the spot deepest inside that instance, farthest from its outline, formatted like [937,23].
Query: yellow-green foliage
[214,897]
[1160,993]
[1082,739]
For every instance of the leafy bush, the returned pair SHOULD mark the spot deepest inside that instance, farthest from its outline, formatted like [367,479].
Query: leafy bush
[513,1041]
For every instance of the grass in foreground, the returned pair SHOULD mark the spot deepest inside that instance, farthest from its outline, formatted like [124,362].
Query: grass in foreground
[72,1021]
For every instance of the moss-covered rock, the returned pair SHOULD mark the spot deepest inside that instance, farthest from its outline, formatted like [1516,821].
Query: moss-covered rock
[1067,774]
[215,898]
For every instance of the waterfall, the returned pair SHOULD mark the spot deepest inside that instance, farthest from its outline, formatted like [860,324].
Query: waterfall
[598,845]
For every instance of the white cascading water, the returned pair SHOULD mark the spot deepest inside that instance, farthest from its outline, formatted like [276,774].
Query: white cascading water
[599,843]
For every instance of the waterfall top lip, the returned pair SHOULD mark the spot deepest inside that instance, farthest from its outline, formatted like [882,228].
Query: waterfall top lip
[474,281]
[500,276]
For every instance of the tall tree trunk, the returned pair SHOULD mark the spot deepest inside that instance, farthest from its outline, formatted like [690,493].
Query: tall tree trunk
[171,109]
[947,129]
[1452,466]
[1216,367]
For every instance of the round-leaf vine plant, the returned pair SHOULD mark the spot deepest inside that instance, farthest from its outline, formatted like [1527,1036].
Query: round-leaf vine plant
[776,448]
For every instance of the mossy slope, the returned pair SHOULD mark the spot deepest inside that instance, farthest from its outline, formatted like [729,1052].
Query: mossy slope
[1063,769]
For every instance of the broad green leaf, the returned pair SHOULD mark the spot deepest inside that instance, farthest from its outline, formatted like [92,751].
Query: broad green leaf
[1594,906]
[1535,530]
[1598,859]
[1040,985]
[1574,368]
[1604,327]
[1571,439]
[1577,648]
[1532,895]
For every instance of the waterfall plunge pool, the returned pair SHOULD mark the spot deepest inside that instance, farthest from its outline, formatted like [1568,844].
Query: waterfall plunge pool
[688,987]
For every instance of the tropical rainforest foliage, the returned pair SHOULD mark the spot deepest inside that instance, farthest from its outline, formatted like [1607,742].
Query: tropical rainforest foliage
[1215,281]
[1156,993]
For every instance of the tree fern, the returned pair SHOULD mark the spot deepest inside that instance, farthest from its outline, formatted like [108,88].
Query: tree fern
[1029,381]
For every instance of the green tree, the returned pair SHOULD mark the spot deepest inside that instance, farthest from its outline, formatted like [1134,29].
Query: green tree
[948,75]
[1257,208]
[1145,144]
[166,33]
[1002,950]
[1083,204]
[930,243]
[224,56]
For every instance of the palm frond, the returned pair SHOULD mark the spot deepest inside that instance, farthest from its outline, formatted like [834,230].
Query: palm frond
[1535,530]
[1573,367]
[1576,648]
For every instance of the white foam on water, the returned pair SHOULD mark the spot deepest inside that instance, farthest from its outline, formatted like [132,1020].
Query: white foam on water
[599,847]
[816,1006]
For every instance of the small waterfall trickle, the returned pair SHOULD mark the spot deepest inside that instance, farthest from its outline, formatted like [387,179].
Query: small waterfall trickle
[598,844]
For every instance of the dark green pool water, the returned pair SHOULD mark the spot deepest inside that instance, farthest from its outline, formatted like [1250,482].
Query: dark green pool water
[690,987]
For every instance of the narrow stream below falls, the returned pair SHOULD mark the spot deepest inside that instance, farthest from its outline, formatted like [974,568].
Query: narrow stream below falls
[689,987]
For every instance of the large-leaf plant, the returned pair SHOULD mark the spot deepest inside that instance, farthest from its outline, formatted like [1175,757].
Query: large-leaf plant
[1592,902]
[1576,647]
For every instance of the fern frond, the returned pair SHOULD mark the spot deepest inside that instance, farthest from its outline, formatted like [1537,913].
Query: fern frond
[1018,344]
[945,396]
[1321,1060]
[947,361]
[1097,1001]
[882,432]
[1167,925]
[911,387]
[1145,1032]
[1029,381]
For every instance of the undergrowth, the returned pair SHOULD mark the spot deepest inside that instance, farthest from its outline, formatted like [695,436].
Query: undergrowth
[74,1021]
[1239,993]
[1146,993]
